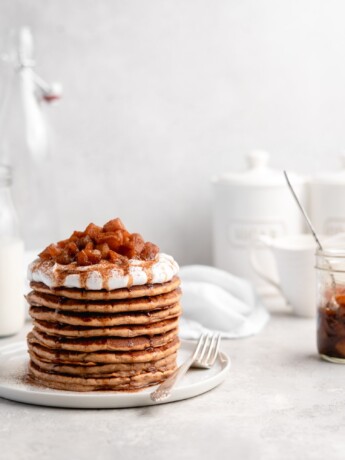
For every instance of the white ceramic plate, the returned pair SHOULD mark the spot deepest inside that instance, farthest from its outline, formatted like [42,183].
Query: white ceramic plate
[13,362]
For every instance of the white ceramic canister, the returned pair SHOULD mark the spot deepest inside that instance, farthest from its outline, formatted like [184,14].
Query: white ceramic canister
[327,201]
[247,206]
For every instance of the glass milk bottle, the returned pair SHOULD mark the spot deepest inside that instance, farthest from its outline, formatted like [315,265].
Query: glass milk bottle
[11,261]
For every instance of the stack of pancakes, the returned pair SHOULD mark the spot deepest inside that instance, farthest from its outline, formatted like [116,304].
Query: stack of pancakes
[86,340]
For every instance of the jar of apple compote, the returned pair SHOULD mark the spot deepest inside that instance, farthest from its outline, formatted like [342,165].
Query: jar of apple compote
[330,268]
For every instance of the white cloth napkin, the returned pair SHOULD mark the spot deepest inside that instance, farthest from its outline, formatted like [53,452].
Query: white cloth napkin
[215,300]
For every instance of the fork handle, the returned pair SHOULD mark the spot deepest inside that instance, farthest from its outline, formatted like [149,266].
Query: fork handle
[164,389]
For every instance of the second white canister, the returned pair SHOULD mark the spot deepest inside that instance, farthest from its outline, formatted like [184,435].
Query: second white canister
[248,205]
[327,201]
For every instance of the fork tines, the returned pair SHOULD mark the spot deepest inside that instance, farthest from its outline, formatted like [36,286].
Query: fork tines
[207,349]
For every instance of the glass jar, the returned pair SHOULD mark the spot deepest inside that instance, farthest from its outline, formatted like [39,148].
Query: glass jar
[330,268]
[11,261]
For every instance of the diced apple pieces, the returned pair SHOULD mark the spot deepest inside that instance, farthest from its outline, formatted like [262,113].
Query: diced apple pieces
[112,243]
[113,225]
[149,251]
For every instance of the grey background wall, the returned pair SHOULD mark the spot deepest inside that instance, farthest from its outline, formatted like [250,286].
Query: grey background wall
[161,94]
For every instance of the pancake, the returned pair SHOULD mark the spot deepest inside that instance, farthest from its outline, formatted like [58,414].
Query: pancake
[105,320]
[99,335]
[56,302]
[103,343]
[105,369]
[57,329]
[101,357]
[72,383]
[123,293]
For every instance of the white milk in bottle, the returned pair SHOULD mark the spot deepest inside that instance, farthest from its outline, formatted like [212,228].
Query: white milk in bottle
[11,261]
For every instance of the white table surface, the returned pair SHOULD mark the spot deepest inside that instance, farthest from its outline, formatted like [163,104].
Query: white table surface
[279,402]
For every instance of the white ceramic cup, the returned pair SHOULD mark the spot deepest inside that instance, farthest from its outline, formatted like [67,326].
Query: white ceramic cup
[295,260]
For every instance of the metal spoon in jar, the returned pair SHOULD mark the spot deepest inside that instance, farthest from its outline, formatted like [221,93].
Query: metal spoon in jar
[311,227]
[303,211]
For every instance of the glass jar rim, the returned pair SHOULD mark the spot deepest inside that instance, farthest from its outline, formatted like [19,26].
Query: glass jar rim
[331,252]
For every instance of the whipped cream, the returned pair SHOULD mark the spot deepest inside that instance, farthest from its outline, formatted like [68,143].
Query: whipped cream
[104,275]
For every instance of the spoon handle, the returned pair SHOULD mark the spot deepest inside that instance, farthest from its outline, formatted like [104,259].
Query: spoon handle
[299,204]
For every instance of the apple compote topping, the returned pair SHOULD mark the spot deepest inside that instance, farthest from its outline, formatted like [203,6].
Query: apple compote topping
[112,243]
[331,325]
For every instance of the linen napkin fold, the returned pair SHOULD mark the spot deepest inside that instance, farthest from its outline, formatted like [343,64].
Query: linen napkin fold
[215,300]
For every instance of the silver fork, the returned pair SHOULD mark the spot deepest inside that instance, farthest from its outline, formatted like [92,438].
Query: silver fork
[203,357]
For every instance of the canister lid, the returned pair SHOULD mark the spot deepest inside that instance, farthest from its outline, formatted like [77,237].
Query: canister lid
[331,177]
[258,173]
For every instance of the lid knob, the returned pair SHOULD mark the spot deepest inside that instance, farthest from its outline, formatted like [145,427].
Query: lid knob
[257,159]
